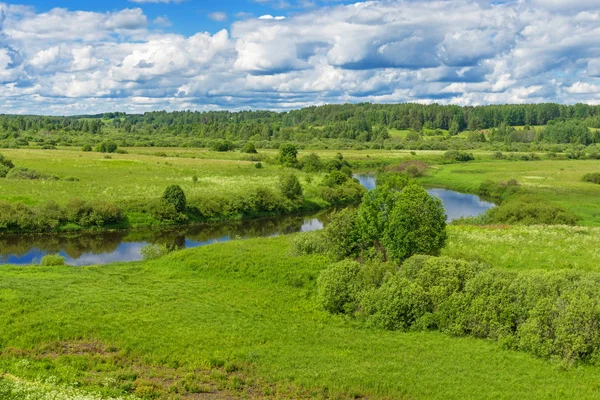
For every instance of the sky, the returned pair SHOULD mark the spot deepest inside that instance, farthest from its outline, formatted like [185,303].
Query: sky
[69,57]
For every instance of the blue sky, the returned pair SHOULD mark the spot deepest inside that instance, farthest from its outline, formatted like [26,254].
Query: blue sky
[65,57]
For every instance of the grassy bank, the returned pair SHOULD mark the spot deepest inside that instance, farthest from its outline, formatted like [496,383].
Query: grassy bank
[239,319]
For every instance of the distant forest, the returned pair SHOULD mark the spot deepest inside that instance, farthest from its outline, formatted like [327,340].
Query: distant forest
[360,123]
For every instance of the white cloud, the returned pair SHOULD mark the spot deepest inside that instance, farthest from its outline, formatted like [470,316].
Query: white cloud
[217,16]
[452,51]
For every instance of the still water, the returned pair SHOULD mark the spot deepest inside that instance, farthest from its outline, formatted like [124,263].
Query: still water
[101,248]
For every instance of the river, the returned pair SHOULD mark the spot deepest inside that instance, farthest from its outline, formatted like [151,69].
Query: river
[100,248]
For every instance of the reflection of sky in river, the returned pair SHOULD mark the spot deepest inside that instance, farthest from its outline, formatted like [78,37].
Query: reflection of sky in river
[368,181]
[460,205]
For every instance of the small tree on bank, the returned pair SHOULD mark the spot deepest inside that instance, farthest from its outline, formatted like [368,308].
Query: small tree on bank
[174,195]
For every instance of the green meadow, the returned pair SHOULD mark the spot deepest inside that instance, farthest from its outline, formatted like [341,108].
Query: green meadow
[239,320]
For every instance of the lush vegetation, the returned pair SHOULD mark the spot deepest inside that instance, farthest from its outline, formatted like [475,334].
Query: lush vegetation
[240,319]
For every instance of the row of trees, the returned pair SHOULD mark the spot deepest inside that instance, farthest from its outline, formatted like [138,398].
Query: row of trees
[361,122]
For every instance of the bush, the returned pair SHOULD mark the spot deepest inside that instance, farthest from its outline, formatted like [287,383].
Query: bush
[337,289]
[258,165]
[3,171]
[154,251]
[458,156]
[106,147]
[592,177]
[249,148]
[6,162]
[498,191]
[416,225]
[222,146]
[530,210]
[309,243]
[311,163]
[52,260]
[25,173]
[335,178]
[86,147]
[174,195]
[290,186]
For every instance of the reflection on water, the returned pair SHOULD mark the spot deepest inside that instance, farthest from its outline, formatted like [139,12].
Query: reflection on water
[459,204]
[106,247]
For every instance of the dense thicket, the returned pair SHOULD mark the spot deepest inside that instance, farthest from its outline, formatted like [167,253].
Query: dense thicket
[354,122]
[549,314]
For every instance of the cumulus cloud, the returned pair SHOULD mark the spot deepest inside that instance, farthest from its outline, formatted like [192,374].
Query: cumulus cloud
[452,51]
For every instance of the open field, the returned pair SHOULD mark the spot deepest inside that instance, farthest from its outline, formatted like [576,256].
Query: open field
[558,181]
[239,319]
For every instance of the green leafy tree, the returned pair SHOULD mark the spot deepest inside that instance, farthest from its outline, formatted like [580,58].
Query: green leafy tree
[416,225]
[174,195]
[290,186]
[249,148]
[288,154]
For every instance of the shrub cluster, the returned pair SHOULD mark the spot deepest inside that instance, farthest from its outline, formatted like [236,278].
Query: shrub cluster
[530,210]
[592,177]
[338,188]
[548,314]
[29,174]
[52,260]
[49,216]
[498,191]
[458,156]
[5,166]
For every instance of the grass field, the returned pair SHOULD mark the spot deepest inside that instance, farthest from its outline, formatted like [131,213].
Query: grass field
[558,181]
[238,319]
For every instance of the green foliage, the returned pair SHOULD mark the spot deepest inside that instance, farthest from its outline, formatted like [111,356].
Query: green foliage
[249,148]
[336,287]
[106,147]
[311,163]
[341,234]
[307,243]
[593,177]
[86,147]
[530,210]
[416,225]
[498,191]
[222,145]
[93,214]
[153,251]
[52,260]
[335,178]
[3,171]
[175,196]
[258,165]
[6,162]
[290,186]
[458,156]
[27,174]
[288,155]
